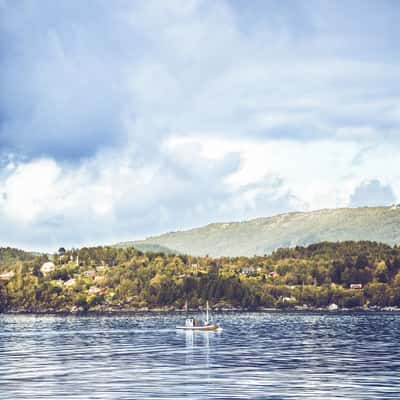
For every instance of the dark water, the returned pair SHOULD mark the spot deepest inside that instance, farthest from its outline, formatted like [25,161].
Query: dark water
[255,356]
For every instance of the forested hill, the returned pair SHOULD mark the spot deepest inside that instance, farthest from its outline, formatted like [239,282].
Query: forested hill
[334,275]
[9,255]
[264,235]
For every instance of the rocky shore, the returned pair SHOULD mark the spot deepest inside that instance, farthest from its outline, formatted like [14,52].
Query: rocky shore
[123,310]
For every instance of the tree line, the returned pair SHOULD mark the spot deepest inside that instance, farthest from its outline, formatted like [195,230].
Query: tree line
[347,274]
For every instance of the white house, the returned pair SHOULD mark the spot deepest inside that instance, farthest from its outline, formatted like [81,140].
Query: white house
[7,275]
[248,270]
[47,267]
[94,290]
[70,282]
[356,286]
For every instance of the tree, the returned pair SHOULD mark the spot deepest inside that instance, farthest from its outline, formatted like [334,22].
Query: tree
[378,294]
[381,272]
[361,262]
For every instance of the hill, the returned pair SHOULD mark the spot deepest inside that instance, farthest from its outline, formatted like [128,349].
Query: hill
[9,255]
[147,247]
[264,235]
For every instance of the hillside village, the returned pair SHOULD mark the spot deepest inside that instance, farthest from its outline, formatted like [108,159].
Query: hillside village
[326,275]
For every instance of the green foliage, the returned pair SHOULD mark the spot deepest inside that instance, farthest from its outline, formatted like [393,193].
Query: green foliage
[9,256]
[101,278]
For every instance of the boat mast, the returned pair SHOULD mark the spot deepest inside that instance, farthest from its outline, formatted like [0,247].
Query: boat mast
[207,312]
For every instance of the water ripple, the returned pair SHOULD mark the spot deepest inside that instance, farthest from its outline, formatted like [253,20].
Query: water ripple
[256,356]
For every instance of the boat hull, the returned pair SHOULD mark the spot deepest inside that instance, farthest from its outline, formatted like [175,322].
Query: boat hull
[199,328]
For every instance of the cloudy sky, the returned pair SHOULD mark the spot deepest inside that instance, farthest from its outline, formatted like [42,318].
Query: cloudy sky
[124,119]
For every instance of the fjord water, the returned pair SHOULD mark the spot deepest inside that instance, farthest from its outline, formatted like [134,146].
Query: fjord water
[255,356]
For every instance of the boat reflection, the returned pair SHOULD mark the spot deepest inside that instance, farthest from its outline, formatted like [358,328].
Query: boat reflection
[198,350]
[197,338]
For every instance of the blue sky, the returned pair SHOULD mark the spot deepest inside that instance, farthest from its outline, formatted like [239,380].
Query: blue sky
[124,119]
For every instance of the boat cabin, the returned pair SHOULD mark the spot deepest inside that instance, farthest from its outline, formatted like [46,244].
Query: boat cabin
[190,322]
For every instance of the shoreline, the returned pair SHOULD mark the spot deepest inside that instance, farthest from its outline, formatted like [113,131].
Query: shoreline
[215,310]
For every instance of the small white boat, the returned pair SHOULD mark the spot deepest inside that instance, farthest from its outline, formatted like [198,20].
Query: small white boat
[193,324]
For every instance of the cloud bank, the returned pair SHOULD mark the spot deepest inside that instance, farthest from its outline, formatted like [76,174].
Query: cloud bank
[372,193]
[123,120]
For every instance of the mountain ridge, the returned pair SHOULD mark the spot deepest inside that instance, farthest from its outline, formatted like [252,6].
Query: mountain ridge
[263,235]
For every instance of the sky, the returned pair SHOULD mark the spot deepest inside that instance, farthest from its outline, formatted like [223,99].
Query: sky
[124,119]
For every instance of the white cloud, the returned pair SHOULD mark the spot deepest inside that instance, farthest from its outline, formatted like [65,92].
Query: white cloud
[318,174]
[131,118]
[372,193]
[29,189]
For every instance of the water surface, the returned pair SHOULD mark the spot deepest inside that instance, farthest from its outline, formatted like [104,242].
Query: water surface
[255,356]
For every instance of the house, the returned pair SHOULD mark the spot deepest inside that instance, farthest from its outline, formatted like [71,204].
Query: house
[70,282]
[89,273]
[247,270]
[95,290]
[290,299]
[47,267]
[356,286]
[333,307]
[6,276]
[273,274]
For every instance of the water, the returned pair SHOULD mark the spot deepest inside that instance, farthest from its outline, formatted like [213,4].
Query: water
[255,356]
